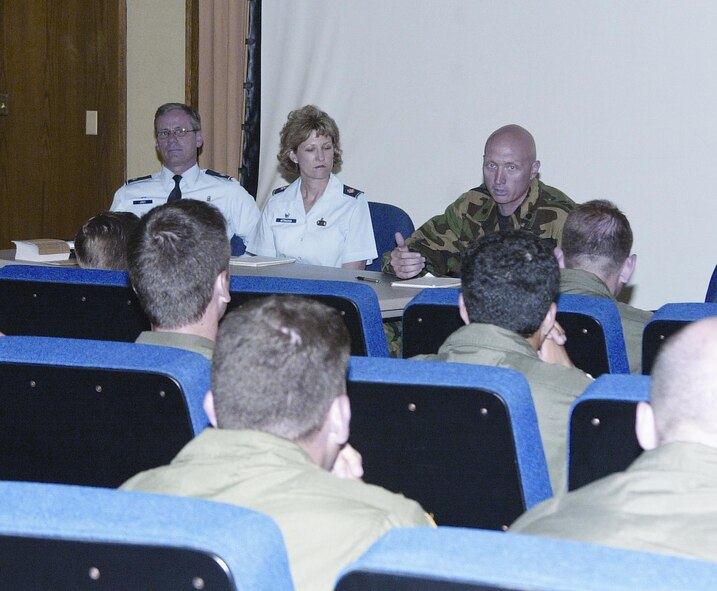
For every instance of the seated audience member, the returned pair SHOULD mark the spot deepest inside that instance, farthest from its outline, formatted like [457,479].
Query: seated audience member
[510,284]
[279,403]
[101,242]
[316,219]
[666,501]
[597,239]
[178,138]
[178,258]
[511,197]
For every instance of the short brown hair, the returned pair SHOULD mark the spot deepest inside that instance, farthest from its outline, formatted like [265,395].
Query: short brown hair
[278,364]
[300,124]
[167,107]
[101,242]
[174,256]
[596,236]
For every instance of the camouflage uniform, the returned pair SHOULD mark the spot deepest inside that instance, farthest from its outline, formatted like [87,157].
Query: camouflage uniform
[473,215]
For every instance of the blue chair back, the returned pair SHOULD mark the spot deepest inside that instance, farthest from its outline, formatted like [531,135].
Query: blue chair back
[602,428]
[665,322]
[71,537]
[460,439]
[69,302]
[429,319]
[357,303]
[386,220]
[711,296]
[595,341]
[454,559]
[95,413]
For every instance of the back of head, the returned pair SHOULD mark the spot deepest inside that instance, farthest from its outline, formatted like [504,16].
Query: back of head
[509,279]
[300,124]
[174,257]
[596,237]
[101,242]
[278,364]
[683,388]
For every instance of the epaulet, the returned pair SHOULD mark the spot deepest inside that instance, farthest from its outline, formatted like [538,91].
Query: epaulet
[351,192]
[211,172]
[280,190]
[139,178]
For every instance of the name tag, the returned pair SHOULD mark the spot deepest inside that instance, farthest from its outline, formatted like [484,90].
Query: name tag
[286,220]
[142,201]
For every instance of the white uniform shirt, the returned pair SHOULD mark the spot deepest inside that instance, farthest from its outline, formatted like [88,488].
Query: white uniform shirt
[223,192]
[336,230]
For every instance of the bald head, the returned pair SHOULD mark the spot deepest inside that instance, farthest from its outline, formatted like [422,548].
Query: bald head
[509,166]
[683,390]
[519,138]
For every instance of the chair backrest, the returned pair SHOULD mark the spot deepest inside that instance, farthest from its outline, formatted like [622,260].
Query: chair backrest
[357,303]
[665,322]
[460,439]
[711,295]
[69,302]
[386,220]
[455,559]
[595,341]
[429,319]
[71,537]
[602,428]
[95,413]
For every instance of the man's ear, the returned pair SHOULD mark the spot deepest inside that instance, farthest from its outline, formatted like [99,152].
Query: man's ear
[627,269]
[462,309]
[208,406]
[559,256]
[534,169]
[340,419]
[645,427]
[548,322]
[200,139]
[221,287]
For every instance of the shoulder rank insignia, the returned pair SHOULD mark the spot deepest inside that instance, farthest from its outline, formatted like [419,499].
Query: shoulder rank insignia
[279,190]
[211,172]
[139,178]
[351,192]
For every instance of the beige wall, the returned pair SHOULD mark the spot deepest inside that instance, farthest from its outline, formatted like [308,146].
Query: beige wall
[155,74]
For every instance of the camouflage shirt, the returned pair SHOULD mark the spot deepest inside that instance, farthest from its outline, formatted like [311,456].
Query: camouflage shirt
[473,215]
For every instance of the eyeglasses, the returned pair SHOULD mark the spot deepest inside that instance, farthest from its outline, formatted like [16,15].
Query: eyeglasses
[163,134]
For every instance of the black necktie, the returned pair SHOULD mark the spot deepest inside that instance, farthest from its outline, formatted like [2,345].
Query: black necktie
[176,193]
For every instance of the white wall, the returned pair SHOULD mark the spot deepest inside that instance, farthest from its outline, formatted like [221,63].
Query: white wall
[618,95]
[155,74]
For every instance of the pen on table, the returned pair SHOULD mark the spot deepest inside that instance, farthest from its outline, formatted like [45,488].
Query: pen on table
[369,279]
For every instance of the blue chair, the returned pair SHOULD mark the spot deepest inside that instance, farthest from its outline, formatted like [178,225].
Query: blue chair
[453,559]
[70,537]
[711,296]
[95,413]
[429,319]
[386,220]
[665,322]
[594,330]
[460,439]
[69,302]
[357,303]
[602,428]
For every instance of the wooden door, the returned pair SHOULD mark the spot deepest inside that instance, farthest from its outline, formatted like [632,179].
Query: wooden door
[58,60]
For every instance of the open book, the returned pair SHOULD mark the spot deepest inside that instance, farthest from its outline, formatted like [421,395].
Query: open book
[428,280]
[42,250]
[247,260]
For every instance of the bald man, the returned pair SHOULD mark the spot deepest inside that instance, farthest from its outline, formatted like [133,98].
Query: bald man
[511,197]
[666,501]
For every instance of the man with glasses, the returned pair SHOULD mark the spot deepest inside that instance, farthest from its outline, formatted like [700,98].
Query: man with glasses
[177,129]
